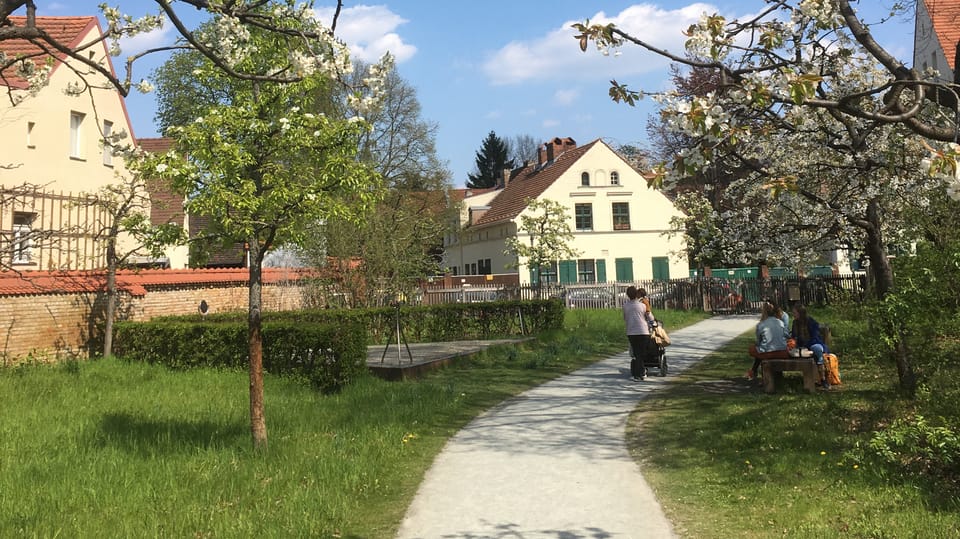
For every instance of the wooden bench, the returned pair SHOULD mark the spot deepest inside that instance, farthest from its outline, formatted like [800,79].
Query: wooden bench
[774,368]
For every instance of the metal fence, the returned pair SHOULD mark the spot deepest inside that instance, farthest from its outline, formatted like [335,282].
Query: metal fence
[708,294]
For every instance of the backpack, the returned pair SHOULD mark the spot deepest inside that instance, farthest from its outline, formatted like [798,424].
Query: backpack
[831,364]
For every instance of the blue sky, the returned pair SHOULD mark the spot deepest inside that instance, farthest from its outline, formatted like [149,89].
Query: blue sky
[512,67]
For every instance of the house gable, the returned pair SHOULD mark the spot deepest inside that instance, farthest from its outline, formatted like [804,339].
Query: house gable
[936,36]
[68,31]
[529,183]
[619,224]
[54,139]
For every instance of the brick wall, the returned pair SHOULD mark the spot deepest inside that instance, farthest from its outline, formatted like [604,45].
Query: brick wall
[63,321]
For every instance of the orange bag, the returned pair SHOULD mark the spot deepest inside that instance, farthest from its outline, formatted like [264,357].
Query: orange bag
[831,364]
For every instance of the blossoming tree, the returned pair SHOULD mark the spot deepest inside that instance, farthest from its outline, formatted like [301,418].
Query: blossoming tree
[266,174]
[260,165]
[784,56]
[265,169]
[547,225]
[827,128]
[224,43]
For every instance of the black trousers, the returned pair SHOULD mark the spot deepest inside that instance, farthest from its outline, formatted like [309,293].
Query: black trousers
[641,350]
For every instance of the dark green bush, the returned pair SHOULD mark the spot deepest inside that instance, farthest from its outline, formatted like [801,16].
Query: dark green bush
[327,355]
[912,448]
[326,347]
[424,323]
[180,344]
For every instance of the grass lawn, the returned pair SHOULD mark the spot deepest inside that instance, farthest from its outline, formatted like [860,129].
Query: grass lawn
[109,448]
[726,459]
[112,448]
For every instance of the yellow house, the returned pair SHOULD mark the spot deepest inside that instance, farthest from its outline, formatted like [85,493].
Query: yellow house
[52,153]
[619,224]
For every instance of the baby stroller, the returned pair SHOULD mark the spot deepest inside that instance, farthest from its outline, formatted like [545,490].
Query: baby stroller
[654,357]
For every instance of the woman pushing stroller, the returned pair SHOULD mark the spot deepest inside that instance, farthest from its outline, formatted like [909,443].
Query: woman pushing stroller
[638,319]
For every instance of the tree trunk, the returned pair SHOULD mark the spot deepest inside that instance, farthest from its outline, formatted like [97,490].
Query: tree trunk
[111,297]
[908,379]
[258,424]
[880,268]
[882,275]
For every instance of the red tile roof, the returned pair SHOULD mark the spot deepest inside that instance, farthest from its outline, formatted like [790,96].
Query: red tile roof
[67,31]
[945,16]
[167,205]
[529,183]
[135,283]
[155,145]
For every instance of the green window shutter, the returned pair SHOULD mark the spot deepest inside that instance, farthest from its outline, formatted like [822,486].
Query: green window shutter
[568,271]
[624,269]
[661,268]
[601,270]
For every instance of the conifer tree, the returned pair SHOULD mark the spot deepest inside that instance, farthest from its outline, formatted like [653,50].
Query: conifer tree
[491,160]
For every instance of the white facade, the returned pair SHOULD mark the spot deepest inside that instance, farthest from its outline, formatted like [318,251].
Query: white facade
[593,186]
[927,50]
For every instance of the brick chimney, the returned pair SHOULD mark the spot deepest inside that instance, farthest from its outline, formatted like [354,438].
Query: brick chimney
[506,176]
[550,150]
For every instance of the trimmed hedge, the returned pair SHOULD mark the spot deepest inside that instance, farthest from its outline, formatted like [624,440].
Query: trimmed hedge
[326,347]
[327,355]
[424,323]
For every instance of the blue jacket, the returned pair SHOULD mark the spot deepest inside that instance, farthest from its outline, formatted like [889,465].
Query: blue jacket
[813,328]
[771,335]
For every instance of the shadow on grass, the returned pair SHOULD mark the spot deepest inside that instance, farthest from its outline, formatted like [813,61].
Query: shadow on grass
[711,417]
[137,434]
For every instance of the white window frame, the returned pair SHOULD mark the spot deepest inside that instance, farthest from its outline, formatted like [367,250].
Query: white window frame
[76,134]
[586,270]
[107,145]
[22,231]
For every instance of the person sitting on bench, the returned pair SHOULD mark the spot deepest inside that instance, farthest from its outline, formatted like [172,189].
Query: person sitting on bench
[771,339]
[807,332]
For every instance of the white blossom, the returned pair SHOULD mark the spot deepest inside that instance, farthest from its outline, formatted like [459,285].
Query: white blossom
[145,86]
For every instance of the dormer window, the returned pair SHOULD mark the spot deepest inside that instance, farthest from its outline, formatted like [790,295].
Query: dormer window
[614,178]
[585,179]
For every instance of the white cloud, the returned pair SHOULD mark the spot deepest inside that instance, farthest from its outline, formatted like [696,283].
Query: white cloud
[566,97]
[556,55]
[141,42]
[370,31]
[550,123]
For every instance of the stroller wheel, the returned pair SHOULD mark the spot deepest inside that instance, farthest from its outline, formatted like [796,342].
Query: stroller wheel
[663,363]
